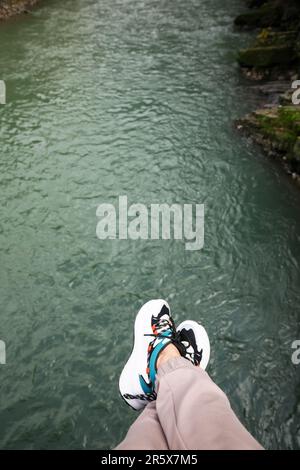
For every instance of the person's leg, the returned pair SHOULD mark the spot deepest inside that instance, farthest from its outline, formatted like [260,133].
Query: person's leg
[168,364]
[145,433]
[193,411]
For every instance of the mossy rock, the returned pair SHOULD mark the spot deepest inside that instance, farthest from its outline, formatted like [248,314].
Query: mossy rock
[289,117]
[269,37]
[266,15]
[270,56]
[277,131]
[281,125]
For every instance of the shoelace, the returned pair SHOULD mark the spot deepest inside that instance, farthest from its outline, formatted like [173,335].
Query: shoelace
[175,337]
[158,333]
[161,330]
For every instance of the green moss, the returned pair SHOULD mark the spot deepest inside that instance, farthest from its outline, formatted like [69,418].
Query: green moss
[282,126]
[269,37]
[278,42]
[289,116]
[271,48]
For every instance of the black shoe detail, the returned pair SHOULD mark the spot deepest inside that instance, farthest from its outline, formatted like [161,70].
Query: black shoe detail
[141,396]
[188,336]
[164,311]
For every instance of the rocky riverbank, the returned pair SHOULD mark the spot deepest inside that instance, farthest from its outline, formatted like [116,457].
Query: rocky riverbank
[14,7]
[273,61]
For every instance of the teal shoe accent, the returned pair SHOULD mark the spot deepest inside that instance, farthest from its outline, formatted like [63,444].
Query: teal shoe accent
[153,358]
[146,387]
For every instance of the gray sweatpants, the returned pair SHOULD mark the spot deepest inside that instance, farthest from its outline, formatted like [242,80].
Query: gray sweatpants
[190,413]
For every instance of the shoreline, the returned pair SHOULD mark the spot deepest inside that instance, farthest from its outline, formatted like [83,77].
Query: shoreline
[9,8]
[272,62]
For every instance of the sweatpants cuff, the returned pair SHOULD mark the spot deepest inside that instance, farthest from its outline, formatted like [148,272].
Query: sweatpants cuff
[173,364]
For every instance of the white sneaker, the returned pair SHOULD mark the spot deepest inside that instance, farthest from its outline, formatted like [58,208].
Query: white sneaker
[154,329]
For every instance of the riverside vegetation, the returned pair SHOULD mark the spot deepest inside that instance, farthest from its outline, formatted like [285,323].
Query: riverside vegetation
[273,60]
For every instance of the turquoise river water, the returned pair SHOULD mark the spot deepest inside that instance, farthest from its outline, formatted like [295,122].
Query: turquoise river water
[136,98]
